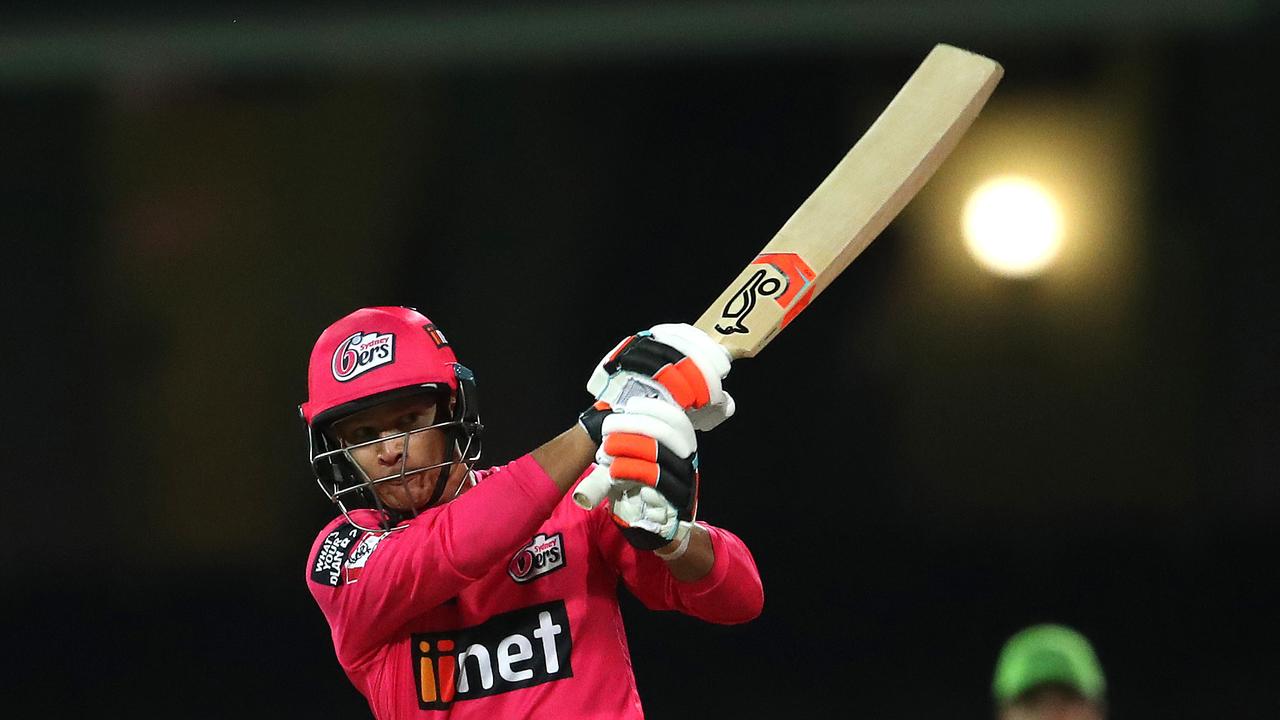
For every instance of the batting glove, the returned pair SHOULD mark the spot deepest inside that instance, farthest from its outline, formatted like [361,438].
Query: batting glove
[646,518]
[675,362]
[647,466]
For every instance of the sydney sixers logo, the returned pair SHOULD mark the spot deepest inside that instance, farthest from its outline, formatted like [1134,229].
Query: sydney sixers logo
[361,353]
[543,554]
[784,277]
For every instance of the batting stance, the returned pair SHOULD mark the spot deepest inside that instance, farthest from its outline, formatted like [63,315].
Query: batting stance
[456,592]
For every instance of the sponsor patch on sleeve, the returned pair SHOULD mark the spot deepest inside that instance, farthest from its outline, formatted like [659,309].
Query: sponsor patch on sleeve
[359,556]
[326,567]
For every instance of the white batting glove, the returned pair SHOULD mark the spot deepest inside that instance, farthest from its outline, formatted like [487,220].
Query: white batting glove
[641,510]
[710,415]
[647,465]
[675,362]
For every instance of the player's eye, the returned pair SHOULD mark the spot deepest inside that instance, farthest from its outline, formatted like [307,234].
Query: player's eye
[357,435]
[414,420]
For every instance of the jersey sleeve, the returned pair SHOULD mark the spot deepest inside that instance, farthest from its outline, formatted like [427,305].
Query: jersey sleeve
[441,551]
[730,593]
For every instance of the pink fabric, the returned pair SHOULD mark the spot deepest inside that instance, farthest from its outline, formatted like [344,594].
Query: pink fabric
[462,603]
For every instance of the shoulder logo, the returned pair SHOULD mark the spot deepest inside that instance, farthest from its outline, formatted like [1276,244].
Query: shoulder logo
[543,554]
[361,353]
[359,555]
[326,567]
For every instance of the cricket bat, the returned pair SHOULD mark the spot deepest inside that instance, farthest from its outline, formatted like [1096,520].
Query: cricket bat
[867,189]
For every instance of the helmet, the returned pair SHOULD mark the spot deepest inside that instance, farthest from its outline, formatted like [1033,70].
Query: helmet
[369,357]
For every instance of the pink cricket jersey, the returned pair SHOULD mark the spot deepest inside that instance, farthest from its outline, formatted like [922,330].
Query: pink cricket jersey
[503,604]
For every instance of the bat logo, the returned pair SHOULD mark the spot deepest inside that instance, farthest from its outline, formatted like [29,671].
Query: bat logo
[744,301]
[784,277]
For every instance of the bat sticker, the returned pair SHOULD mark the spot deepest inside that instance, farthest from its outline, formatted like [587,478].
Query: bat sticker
[784,277]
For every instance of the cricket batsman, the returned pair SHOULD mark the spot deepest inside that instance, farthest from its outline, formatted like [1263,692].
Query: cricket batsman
[464,593]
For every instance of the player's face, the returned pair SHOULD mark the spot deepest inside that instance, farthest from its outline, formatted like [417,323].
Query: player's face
[388,422]
[1054,708]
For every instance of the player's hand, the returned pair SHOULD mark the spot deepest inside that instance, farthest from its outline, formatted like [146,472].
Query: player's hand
[646,518]
[648,466]
[650,452]
[675,362]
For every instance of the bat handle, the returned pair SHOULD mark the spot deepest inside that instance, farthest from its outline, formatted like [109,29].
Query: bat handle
[592,489]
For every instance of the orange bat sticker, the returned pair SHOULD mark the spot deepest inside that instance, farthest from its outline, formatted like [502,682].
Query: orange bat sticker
[785,277]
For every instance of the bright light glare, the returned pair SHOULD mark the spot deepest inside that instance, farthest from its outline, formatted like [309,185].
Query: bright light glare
[1013,226]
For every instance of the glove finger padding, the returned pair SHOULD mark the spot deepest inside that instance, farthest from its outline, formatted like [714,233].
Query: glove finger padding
[654,466]
[708,417]
[675,362]
[650,451]
[628,370]
[657,420]
[709,357]
[663,422]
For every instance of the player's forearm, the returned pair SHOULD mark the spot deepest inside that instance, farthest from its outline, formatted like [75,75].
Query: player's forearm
[731,591]
[566,457]
[698,558]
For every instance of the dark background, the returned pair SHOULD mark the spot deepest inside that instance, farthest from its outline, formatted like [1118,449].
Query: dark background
[929,459]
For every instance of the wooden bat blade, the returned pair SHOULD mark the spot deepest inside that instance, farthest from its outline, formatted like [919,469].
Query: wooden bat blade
[865,191]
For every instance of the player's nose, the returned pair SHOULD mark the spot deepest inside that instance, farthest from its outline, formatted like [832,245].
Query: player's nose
[391,449]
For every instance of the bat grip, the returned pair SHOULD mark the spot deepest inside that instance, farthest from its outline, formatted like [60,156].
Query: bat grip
[592,489]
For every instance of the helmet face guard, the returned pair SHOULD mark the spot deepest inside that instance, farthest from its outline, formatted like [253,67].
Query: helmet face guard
[350,488]
[373,356]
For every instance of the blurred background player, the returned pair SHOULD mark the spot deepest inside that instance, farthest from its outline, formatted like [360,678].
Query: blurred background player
[464,593]
[1049,672]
